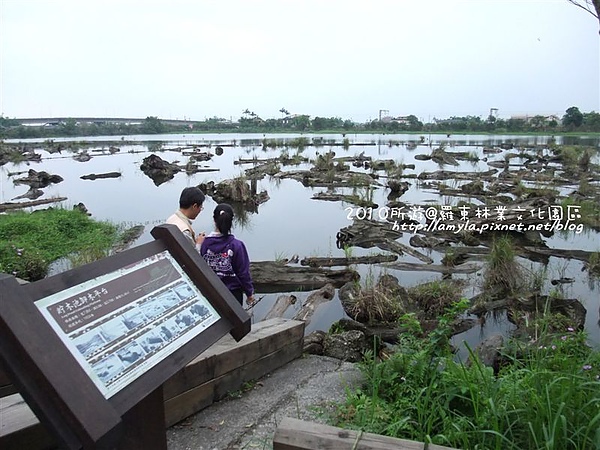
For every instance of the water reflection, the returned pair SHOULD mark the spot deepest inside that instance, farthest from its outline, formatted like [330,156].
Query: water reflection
[291,222]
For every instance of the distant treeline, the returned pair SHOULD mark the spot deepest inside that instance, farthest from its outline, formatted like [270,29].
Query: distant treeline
[572,121]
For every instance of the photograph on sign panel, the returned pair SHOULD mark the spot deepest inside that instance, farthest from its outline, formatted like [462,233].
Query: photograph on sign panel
[113,329]
[134,318]
[89,343]
[151,341]
[108,368]
[131,354]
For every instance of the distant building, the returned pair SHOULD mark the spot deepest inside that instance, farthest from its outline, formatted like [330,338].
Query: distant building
[539,118]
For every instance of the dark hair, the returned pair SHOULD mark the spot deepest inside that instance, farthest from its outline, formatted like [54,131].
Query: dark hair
[191,195]
[223,215]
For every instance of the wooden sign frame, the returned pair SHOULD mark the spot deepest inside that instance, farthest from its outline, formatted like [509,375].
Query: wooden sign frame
[40,322]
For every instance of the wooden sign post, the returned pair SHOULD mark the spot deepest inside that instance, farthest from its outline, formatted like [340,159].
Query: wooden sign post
[89,349]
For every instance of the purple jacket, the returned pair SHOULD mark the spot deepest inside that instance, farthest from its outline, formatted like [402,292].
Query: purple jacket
[228,258]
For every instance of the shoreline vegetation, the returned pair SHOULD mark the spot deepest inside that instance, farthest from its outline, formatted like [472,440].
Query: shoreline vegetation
[544,393]
[572,122]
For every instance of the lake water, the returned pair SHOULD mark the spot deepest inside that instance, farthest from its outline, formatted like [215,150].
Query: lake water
[290,222]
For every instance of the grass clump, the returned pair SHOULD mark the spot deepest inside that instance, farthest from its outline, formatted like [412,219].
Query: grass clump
[593,264]
[436,296]
[546,395]
[29,242]
[503,273]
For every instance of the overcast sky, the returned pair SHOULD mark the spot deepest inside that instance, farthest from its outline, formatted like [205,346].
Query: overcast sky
[350,59]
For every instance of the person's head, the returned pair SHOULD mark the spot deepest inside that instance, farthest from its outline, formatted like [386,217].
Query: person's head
[223,215]
[191,200]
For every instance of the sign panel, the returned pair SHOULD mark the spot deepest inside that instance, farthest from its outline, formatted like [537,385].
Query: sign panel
[119,325]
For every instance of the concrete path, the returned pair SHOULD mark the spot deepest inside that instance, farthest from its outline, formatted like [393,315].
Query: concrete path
[302,389]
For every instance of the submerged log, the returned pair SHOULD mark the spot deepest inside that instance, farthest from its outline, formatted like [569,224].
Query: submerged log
[352,199]
[269,276]
[406,266]
[329,262]
[158,169]
[448,174]
[37,180]
[94,176]
[369,233]
[581,255]
[313,178]
[31,194]
[9,206]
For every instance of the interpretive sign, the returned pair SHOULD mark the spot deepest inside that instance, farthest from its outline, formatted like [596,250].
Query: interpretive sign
[87,346]
[119,325]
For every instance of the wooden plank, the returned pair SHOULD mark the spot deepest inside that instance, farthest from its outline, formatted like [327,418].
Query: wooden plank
[226,354]
[294,434]
[198,398]
[20,428]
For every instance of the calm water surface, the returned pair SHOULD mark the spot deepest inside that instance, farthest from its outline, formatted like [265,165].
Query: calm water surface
[291,222]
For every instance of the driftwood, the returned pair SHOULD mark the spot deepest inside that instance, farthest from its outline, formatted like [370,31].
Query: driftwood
[532,302]
[312,302]
[158,169]
[368,233]
[448,174]
[390,332]
[330,262]
[94,176]
[314,178]
[352,199]
[269,276]
[463,268]
[281,305]
[31,194]
[9,206]
[40,179]
[581,255]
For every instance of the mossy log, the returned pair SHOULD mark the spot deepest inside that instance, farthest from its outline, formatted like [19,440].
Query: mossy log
[330,262]
[271,276]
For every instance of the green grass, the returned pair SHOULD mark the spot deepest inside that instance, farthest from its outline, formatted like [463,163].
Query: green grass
[546,395]
[29,242]
[502,272]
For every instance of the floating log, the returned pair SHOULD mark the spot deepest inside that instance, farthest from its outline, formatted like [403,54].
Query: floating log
[352,199]
[31,194]
[270,276]
[369,233]
[9,206]
[40,179]
[448,174]
[329,262]
[581,255]
[313,178]
[94,176]
[412,267]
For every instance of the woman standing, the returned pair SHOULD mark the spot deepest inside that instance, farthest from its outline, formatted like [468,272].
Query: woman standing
[227,256]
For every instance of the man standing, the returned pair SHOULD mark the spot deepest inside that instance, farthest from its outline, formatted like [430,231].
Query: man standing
[190,205]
